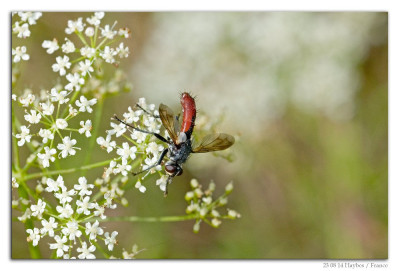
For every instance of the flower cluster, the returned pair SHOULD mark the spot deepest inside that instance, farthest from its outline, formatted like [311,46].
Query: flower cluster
[203,207]
[137,150]
[76,217]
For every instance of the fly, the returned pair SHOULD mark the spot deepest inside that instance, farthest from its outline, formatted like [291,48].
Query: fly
[180,144]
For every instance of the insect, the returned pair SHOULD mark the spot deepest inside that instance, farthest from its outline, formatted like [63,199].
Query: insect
[180,144]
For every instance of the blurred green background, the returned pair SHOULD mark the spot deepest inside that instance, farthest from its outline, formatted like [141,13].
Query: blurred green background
[306,95]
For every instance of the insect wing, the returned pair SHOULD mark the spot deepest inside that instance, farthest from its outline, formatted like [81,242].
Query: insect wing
[214,142]
[167,119]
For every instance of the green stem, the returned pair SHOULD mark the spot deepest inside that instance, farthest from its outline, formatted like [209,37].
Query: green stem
[65,171]
[14,140]
[149,219]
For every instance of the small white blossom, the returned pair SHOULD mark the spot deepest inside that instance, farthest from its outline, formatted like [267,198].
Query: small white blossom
[88,52]
[57,96]
[141,187]
[99,211]
[162,182]
[138,136]
[89,32]
[47,156]
[118,129]
[122,51]
[75,81]
[68,46]
[72,111]
[65,211]
[93,230]
[83,187]
[85,104]
[110,241]
[19,53]
[67,147]
[154,148]
[95,19]
[46,135]
[14,183]
[34,236]
[106,143]
[47,108]
[60,245]
[84,206]
[124,32]
[108,54]
[30,16]
[27,100]
[62,64]
[125,152]
[23,136]
[74,26]
[48,226]
[72,230]
[86,67]
[14,97]
[33,117]
[122,168]
[54,186]
[86,127]
[61,124]
[107,32]
[132,116]
[38,209]
[86,253]
[65,195]
[51,46]
[22,30]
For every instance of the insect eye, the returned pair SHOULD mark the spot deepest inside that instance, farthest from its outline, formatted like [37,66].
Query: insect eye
[170,169]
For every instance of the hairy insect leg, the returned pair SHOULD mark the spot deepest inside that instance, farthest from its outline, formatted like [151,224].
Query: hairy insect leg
[170,179]
[164,152]
[160,137]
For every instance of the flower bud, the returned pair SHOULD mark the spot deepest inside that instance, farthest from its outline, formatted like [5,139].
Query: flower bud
[215,222]
[194,183]
[229,188]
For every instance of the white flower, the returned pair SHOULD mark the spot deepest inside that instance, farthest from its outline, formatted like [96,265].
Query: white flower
[85,104]
[95,19]
[86,67]
[60,245]
[150,162]
[54,186]
[62,63]
[46,134]
[75,81]
[88,52]
[138,136]
[72,111]
[14,183]
[34,236]
[67,147]
[65,211]
[65,196]
[122,51]
[38,209]
[14,97]
[110,241]
[61,124]
[19,53]
[108,32]
[47,108]
[93,230]
[86,253]
[124,32]
[122,168]
[141,187]
[106,143]
[83,187]
[48,226]
[68,46]
[89,32]
[118,129]
[154,148]
[162,182]
[74,26]
[84,206]
[132,116]
[152,124]
[23,136]
[22,30]
[72,230]
[100,211]
[30,16]
[27,100]
[33,117]
[47,156]
[125,152]
[60,97]
[86,127]
[108,54]
[51,46]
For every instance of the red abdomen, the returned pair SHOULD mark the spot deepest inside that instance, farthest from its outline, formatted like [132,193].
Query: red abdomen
[188,113]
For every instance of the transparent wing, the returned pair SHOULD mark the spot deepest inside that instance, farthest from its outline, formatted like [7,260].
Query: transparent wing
[167,119]
[214,142]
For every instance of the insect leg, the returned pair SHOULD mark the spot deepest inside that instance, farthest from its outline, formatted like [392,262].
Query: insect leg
[164,152]
[160,137]
[169,180]
[144,110]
